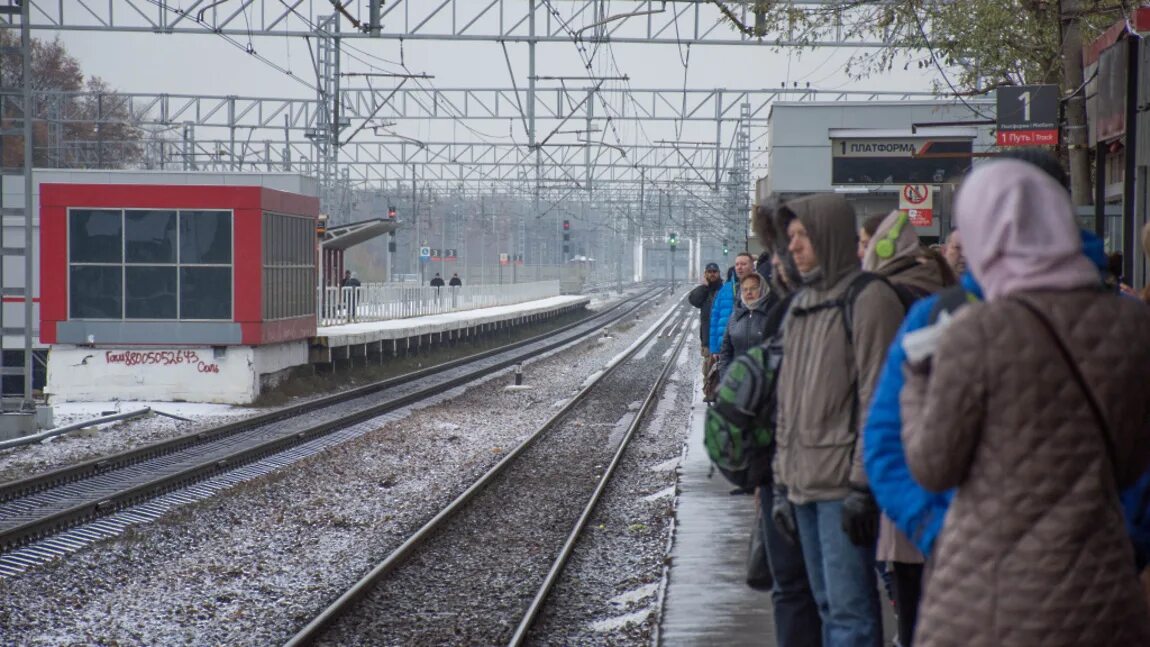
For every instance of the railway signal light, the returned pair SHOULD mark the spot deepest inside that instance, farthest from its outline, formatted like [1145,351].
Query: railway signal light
[673,239]
[566,225]
[726,250]
[391,212]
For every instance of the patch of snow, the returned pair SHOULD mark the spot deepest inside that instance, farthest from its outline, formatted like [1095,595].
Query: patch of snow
[666,466]
[665,493]
[618,622]
[590,379]
[521,387]
[642,354]
[634,595]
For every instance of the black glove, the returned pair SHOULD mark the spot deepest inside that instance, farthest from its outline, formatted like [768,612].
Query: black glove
[783,515]
[860,517]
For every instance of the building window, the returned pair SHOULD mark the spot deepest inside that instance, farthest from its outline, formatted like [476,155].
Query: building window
[289,266]
[149,264]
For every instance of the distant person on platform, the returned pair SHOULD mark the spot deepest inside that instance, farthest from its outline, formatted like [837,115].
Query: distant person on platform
[349,281]
[455,281]
[437,282]
[703,297]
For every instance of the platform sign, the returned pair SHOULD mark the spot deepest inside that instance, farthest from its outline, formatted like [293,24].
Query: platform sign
[915,196]
[1027,115]
[449,254]
[920,217]
[424,254]
[435,255]
[907,159]
[504,259]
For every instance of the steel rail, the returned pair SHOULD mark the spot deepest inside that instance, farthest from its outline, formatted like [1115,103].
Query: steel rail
[61,519]
[38,482]
[560,562]
[315,629]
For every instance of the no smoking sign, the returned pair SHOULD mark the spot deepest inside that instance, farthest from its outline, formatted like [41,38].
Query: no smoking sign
[915,196]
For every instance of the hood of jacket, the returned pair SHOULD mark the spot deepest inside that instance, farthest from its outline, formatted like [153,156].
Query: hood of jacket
[906,244]
[830,223]
[925,276]
[764,291]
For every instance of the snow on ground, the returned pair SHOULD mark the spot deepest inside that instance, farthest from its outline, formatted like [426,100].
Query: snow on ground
[109,438]
[250,566]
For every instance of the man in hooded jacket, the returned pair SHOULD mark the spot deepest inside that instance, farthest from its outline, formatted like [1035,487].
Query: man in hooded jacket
[827,376]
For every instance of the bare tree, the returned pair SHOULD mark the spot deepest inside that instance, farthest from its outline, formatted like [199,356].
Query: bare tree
[78,123]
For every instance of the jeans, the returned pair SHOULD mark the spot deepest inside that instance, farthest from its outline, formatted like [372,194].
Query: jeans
[797,622]
[842,577]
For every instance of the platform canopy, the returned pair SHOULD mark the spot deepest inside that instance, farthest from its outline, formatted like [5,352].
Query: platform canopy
[342,237]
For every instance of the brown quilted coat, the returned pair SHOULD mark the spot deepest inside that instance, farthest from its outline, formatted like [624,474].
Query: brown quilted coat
[1034,550]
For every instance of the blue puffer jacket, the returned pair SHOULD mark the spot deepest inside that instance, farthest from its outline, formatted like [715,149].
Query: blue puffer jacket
[918,513]
[720,312]
[915,511]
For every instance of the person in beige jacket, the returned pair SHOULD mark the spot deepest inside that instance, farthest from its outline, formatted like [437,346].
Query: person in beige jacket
[828,372]
[1037,417]
[908,266]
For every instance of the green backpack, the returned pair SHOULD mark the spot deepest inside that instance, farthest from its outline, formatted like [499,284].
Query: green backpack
[739,429]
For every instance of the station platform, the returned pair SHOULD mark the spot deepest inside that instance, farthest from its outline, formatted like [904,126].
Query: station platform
[708,601]
[349,342]
[237,374]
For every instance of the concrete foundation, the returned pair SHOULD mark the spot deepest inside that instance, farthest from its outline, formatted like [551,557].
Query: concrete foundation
[222,374]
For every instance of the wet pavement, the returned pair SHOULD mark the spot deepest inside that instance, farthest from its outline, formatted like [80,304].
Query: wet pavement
[707,600]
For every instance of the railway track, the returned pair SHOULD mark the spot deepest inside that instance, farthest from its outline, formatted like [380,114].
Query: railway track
[36,512]
[480,570]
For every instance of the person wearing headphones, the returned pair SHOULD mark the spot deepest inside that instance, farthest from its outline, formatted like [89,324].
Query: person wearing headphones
[896,253]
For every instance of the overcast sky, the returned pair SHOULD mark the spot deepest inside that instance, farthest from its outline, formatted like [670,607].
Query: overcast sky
[207,64]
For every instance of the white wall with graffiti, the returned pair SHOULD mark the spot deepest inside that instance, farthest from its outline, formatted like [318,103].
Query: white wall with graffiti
[229,375]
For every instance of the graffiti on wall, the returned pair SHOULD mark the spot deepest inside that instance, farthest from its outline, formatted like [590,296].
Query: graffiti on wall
[161,358]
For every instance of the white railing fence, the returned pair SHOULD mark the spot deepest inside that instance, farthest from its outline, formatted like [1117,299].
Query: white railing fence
[381,301]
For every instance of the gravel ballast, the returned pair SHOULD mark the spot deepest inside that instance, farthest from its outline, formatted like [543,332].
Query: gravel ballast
[610,591]
[470,584]
[250,567]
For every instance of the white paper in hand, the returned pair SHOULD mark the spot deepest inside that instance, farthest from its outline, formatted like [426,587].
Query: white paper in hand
[920,344]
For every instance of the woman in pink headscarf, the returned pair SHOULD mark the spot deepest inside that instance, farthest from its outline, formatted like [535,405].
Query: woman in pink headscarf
[1037,415]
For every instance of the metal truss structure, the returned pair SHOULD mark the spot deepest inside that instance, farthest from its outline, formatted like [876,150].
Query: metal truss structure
[672,22]
[558,140]
[490,104]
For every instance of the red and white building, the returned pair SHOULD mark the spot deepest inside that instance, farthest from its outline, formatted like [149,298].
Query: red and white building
[174,286]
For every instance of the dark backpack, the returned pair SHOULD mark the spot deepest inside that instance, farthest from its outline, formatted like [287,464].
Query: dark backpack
[739,427]
[906,294]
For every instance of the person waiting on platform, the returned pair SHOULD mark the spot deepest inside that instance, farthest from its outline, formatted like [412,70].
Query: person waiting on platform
[455,281]
[827,376]
[437,281]
[1031,406]
[703,297]
[350,296]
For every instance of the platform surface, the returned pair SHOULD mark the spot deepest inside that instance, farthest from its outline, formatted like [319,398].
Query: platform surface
[708,601]
[372,331]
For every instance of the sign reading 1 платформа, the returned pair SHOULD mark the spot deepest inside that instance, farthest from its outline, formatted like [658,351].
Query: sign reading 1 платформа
[881,157]
[1027,115]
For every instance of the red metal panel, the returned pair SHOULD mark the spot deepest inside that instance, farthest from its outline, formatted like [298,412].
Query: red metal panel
[247,275]
[53,261]
[288,330]
[155,196]
[248,204]
[291,204]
